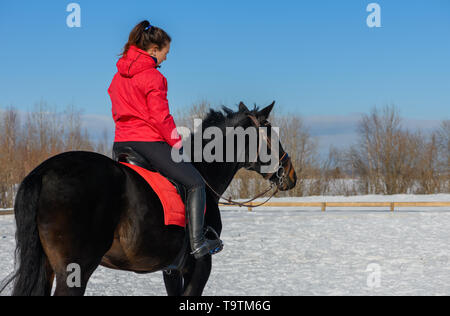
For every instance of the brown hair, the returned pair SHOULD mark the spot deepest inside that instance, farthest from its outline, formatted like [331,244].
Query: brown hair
[143,35]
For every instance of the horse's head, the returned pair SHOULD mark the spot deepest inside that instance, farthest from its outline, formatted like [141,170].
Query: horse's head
[270,159]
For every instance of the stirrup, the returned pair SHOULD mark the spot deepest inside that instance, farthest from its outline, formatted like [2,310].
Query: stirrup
[204,249]
[212,230]
[219,248]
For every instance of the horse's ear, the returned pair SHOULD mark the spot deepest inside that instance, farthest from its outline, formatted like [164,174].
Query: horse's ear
[243,108]
[264,113]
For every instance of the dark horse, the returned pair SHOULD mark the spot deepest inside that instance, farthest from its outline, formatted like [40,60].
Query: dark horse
[85,208]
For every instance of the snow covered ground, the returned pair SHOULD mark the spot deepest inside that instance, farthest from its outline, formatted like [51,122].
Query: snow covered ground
[303,251]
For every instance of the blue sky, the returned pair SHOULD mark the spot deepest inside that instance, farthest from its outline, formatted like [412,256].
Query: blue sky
[315,58]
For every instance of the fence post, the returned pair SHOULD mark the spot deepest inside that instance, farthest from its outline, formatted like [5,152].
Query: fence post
[392,206]
[324,206]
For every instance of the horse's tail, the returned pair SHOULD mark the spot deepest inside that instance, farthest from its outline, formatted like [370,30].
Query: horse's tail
[30,278]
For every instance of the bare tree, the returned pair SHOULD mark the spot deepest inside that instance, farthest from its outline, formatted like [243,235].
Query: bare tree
[443,147]
[104,145]
[186,116]
[390,160]
[302,148]
[44,134]
[9,160]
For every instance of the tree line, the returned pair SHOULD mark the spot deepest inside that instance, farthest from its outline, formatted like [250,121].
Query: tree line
[27,140]
[386,159]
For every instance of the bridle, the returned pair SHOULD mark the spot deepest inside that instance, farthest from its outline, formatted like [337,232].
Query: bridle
[269,176]
[281,161]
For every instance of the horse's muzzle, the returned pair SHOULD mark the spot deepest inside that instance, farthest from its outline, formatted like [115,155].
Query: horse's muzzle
[289,179]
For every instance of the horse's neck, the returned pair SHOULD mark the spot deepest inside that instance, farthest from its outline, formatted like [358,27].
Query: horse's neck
[218,174]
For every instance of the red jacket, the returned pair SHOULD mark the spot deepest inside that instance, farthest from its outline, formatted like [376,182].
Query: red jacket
[140,108]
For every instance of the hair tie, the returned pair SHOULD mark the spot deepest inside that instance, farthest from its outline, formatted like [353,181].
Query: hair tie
[148,27]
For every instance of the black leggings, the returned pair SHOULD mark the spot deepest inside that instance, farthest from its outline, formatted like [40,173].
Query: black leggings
[159,155]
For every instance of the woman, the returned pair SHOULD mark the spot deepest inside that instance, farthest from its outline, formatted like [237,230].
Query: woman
[143,122]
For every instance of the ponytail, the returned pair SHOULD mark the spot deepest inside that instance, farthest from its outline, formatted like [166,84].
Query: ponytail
[144,35]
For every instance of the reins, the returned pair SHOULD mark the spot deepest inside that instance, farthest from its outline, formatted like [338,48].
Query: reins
[268,176]
[245,204]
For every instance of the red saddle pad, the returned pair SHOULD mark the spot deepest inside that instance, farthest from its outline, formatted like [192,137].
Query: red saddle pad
[174,209]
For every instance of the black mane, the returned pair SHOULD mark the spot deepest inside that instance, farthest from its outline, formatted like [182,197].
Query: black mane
[226,117]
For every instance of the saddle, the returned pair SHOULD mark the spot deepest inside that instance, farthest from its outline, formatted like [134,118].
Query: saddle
[130,156]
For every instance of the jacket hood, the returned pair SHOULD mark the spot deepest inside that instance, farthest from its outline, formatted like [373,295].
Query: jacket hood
[135,61]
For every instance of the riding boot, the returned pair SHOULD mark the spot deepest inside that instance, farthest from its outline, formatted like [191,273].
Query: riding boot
[195,207]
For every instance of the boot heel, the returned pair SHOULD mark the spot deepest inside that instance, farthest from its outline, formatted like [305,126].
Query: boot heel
[210,247]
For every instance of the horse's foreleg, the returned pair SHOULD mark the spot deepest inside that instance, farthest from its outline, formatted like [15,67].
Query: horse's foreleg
[173,281]
[196,277]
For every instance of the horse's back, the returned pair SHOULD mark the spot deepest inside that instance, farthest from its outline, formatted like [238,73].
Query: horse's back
[83,182]
[80,163]
[92,205]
